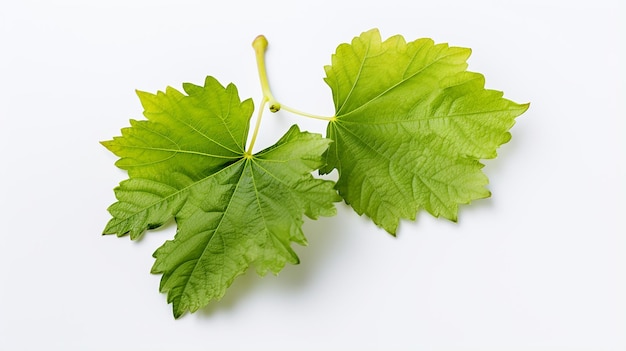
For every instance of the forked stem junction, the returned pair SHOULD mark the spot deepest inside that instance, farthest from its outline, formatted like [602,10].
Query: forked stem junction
[260,46]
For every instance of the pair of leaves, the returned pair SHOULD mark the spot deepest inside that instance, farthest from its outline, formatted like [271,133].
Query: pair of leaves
[410,127]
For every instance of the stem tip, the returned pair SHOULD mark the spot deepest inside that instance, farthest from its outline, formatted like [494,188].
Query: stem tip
[260,43]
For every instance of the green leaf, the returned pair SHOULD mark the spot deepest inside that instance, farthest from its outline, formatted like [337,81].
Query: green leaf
[193,134]
[184,139]
[233,210]
[410,127]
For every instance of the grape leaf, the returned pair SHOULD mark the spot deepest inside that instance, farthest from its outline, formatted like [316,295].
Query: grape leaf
[232,209]
[410,127]
[183,140]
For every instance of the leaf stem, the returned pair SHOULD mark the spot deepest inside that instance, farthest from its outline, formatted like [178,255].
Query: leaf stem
[248,153]
[260,46]
[305,114]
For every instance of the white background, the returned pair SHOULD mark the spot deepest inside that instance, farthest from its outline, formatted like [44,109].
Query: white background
[539,266]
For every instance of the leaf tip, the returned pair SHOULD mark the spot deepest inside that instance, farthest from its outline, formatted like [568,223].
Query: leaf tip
[525,107]
[141,93]
[106,143]
[390,227]
[177,314]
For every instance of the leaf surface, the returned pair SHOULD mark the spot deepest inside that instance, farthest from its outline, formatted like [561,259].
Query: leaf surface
[233,210]
[410,127]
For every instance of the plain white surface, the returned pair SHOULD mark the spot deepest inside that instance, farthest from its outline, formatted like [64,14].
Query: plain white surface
[539,266]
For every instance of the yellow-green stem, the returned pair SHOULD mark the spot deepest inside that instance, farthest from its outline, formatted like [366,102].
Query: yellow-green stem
[260,46]
[248,153]
[306,114]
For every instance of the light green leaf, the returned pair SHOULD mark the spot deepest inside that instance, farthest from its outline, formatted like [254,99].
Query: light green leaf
[184,139]
[193,134]
[410,127]
[232,209]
